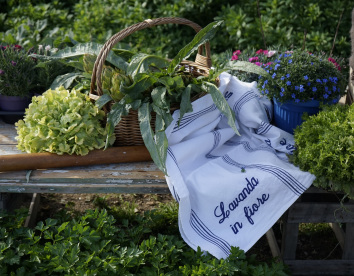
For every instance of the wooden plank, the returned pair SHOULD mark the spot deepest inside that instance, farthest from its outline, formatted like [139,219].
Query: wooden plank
[348,249]
[309,212]
[32,211]
[338,231]
[272,241]
[320,267]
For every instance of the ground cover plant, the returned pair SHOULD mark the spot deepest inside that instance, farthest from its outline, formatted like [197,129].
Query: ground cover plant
[108,240]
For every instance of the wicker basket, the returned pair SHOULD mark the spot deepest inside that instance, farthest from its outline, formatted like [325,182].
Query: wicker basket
[127,132]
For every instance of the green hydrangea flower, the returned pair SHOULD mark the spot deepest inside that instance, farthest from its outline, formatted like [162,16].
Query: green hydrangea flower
[61,121]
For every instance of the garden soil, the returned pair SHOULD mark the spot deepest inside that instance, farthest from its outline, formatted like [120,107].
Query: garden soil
[316,241]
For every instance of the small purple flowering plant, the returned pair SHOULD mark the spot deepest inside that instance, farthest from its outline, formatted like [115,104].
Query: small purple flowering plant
[296,75]
[17,74]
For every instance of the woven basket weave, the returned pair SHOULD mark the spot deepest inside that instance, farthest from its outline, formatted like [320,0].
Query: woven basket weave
[127,132]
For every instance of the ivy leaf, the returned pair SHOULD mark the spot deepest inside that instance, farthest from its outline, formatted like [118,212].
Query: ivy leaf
[200,38]
[148,136]
[221,104]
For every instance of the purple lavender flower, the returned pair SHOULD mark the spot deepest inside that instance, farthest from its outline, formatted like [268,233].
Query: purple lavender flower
[13,63]
[2,72]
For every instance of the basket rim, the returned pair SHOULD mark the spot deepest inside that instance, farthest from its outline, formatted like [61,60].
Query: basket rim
[201,65]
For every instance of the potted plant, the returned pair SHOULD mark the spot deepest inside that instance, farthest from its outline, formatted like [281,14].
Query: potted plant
[297,82]
[17,78]
[325,148]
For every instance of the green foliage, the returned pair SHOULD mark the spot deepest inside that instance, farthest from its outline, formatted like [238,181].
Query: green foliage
[61,121]
[101,243]
[319,19]
[157,85]
[17,77]
[325,148]
[32,22]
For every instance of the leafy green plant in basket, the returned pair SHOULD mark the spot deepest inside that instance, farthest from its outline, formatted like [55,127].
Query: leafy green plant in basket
[81,58]
[155,84]
[325,148]
[61,121]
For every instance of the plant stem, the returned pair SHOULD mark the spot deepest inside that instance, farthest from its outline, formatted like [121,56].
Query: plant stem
[335,36]
[260,21]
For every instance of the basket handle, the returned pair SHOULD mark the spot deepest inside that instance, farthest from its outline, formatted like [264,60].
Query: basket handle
[98,67]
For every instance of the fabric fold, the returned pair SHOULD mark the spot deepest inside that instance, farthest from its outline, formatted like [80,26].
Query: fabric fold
[231,188]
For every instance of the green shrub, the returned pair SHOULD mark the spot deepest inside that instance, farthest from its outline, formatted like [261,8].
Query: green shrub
[284,23]
[96,243]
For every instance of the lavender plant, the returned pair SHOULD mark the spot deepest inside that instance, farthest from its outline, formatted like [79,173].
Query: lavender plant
[17,74]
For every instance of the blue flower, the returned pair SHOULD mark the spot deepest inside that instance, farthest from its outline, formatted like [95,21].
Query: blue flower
[297,100]
[302,88]
[326,88]
[273,76]
[318,80]
[296,87]
[293,95]
[290,61]
[282,89]
[288,83]
[266,81]
[287,75]
[325,80]
[309,83]
[334,89]
[281,94]
[314,89]
[325,96]
[282,78]
[267,92]
[335,100]
[306,77]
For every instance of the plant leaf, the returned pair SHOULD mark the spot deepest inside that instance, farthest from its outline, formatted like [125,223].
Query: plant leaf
[143,82]
[65,80]
[221,104]
[185,105]
[113,118]
[102,100]
[93,49]
[246,67]
[141,63]
[200,38]
[148,136]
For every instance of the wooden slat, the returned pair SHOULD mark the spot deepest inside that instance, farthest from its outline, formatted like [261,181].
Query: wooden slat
[348,250]
[309,212]
[320,267]
[272,241]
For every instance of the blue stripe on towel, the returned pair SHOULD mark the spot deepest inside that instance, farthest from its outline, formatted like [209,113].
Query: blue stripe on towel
[217,137]
[264,128]
[189,118]
[202,230]
[242,100]
[173,157]
[286,178]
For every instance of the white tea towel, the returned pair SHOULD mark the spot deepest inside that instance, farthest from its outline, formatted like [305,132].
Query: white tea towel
[231,189]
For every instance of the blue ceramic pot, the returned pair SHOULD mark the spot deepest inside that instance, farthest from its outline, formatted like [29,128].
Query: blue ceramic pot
[288,115]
